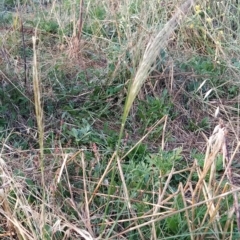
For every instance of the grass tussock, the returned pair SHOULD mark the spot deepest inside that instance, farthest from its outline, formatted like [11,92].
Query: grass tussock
[119,120]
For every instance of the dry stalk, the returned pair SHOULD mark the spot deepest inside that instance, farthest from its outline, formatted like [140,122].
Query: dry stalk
[214,213]
[102,177]
[75,42]
[186,212]
[39,116]
[80,21]
[38,105]
[87,221]
[211,209]
[13,224]
[24,46]
[159,203]
[67,227]
[213,148]
[61,169]
[228,222]
[217,142]
[3,198]
[6,208]
[192,171]
[228,162]
[125,190]
[221,139]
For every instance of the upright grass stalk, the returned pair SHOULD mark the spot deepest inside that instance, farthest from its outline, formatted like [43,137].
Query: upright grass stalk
[146,66]
[39,117]
[151,53]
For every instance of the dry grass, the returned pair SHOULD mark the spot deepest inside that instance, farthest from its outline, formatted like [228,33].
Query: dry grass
[55,193]
[204,192]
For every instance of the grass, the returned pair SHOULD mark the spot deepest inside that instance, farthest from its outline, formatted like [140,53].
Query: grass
[108,120]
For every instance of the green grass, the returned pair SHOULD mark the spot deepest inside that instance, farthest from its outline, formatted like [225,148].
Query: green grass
[107,137]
